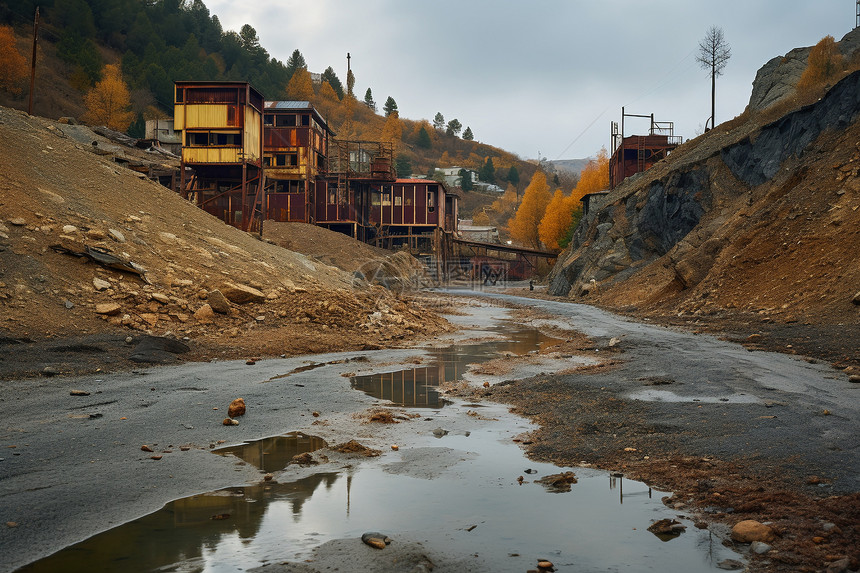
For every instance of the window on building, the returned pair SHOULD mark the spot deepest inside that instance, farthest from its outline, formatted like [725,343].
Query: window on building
[332,193]
[386,196]
[267,161]
[197,139]
[398,200]
[285,120]
[180,95]
[431,201]
[306,120]
[374,199]
[269,119]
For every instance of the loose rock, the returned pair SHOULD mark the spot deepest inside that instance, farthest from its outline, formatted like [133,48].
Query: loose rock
[236,408]
[218,301]
[230,422]
[78,393]
[667,527]
[108,308]
[750,530]
[375,539]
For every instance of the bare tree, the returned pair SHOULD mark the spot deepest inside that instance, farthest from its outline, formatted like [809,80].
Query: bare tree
[713,54]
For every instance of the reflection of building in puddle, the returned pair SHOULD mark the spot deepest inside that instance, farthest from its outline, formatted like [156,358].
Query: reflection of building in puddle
[183,531]
[274,454]
[418,387]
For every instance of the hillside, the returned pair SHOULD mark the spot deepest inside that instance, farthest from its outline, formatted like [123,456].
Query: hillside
[59,196]
[156,44]
[753,226]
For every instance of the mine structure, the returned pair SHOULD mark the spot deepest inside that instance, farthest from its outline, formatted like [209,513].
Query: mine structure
[636,153]
[221,166]
[247,161]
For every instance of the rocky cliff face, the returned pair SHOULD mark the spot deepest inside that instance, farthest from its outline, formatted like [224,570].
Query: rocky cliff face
[775,81]
[679,224]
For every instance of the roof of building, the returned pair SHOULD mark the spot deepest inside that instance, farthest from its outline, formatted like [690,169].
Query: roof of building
[287,105]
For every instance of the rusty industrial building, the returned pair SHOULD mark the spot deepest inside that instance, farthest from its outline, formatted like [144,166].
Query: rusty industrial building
[247,161]
[636,153]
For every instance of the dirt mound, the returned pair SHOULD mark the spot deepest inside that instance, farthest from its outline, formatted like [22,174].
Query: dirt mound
[394,270]
[150,262]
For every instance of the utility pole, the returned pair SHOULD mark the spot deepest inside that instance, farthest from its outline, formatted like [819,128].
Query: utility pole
[33,63]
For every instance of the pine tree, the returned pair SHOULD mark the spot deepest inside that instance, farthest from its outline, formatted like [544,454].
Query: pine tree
[439,121]
[368,100]
[513,176]
[466,180]
[468,135]
[329,76]
[108,102]
[295,62]
[454,127]
[488,171]
[390,106]
[424,139]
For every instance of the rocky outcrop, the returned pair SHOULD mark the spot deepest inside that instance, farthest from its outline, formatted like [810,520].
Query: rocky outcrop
[673,212]
[776,80]
[755,162]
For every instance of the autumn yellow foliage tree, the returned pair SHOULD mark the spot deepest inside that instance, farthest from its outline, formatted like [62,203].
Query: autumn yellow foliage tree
[13,66]
[824,62]
[594,176]
[524,225]
[556,220]
[392,131]
[109,102]
[327,101]
[300,87]
[555,227]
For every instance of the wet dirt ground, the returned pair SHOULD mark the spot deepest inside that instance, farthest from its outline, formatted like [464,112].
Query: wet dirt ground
[736,434]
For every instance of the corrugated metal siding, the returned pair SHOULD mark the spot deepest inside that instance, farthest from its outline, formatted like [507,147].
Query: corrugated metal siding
[211,154]
[253,133]
[179,117]
[206,116]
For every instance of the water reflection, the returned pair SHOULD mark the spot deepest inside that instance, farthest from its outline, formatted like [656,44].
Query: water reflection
[274,454]
[419,387]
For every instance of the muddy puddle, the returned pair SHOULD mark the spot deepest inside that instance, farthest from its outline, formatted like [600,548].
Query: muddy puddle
[419,386]
[471,494]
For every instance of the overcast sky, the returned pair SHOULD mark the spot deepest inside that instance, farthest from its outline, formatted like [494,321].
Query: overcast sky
[544,76]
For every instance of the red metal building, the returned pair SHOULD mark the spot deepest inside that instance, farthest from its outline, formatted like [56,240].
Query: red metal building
[636,153]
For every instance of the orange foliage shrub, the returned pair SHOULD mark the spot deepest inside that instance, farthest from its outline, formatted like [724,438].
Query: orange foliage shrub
[524,225]
[824,62]
[13,66]
[108,102]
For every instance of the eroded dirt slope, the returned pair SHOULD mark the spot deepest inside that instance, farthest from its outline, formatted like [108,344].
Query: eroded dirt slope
[55,190]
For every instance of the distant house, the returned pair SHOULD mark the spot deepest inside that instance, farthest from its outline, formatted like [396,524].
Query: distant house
[588,200]
[452,177]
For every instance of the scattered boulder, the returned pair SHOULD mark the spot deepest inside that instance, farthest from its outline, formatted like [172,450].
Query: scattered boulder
[375,539]
[230,422]
[78,393]
[204,314]
[730,564]
[218,302]
[116,235]
[750,530]
[236,408]
[108,308]
[758,547]
[241,294]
